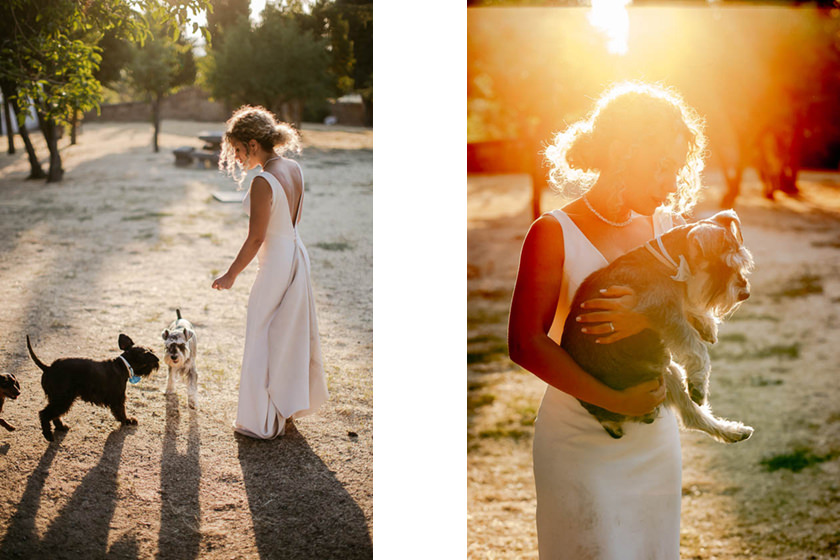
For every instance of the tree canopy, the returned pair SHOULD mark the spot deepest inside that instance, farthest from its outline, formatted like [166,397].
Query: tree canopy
[277,64]
[50,53]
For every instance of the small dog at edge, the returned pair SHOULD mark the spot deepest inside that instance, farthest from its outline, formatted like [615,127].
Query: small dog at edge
[683,299]
[180,341]
[9,389]
[100,383]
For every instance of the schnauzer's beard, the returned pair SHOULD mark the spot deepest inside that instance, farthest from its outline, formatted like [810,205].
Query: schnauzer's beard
[730,299]
[176,357]
[723,302]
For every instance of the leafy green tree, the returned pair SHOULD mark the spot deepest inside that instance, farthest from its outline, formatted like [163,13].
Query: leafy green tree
[348,25]
[159,66]
[225,14]
[278,65]
[49,54]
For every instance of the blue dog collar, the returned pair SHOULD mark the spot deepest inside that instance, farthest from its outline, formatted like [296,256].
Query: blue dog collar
[133,379]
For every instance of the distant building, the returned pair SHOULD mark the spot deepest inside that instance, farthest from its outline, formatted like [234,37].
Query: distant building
[347,110]
[31,119]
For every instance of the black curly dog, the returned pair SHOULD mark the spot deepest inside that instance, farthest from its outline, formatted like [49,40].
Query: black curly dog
[100,383]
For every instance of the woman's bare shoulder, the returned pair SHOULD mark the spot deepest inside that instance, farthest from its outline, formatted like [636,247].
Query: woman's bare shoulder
[544,238]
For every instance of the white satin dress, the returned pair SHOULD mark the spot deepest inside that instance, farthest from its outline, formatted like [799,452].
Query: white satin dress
[599,497]
[282,371]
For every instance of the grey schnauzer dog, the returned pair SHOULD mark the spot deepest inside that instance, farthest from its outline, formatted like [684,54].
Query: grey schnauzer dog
[100,383]
[180,341]
[9,389]
[683,300]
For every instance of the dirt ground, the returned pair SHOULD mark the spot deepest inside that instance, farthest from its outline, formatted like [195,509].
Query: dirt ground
[776,495]
[116,247]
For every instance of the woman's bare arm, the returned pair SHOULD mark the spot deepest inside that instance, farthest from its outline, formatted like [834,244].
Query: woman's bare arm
[257,226]
[533,306]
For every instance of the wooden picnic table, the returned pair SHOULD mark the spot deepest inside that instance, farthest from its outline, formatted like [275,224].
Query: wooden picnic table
[212,141]
[186,155]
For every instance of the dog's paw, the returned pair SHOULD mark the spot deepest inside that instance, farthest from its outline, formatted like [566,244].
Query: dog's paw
[9,427]
[741,434]
[615,429]
[48,436]
[697,395]
[130,421]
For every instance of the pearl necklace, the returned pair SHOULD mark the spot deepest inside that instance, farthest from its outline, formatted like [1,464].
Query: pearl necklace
[269,159]
[603,219]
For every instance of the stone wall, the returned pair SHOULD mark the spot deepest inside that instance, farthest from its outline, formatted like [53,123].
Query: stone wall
[189,104]
[193,104]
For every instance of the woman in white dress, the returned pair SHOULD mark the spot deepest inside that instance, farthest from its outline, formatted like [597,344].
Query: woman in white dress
[632,167]
[282,373]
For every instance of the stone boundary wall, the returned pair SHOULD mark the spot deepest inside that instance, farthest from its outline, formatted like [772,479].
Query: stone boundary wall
[193,104]
[189,104]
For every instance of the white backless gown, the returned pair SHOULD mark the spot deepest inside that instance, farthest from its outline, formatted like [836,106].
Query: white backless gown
[599,497]
[282,372]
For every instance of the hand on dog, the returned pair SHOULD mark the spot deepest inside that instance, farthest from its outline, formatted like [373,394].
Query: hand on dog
[614,315]
[641,399]
[224,282]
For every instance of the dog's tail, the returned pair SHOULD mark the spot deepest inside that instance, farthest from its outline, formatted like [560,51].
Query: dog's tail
[35,359]
[178,313]
[696,417]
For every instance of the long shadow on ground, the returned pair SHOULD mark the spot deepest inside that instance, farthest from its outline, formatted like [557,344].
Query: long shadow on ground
[81,528]
[180,474]
[299,509]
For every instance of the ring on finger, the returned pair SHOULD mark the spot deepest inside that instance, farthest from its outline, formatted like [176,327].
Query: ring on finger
[612,328]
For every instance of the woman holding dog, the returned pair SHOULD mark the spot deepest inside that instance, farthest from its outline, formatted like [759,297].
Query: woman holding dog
[282,373]
[632,168]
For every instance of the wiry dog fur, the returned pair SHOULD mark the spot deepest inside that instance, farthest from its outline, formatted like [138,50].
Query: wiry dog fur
[683,311]
[100,383]
[9,389]
[180,341]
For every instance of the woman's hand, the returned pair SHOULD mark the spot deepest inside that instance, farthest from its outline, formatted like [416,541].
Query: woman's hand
[613,315]
[224,282]
[640,399]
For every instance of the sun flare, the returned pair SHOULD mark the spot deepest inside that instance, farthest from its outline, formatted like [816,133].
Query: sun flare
[611,18]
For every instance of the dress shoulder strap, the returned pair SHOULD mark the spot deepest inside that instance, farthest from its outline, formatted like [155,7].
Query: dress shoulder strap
[275,186]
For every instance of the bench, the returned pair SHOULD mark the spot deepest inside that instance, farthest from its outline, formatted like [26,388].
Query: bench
[183,156]
[186,155]
[211,158]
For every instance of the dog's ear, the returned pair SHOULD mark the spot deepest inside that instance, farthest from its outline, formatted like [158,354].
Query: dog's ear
[729,219]
[704,240]
[125,342]
[165,334]
[188,334]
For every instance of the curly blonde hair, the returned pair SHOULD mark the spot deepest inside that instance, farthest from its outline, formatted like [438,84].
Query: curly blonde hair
[632,113]
[255,123]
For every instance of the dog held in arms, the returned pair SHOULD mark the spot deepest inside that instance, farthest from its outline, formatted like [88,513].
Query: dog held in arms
[180,341]
[9,389]
[683,301]
[100,383]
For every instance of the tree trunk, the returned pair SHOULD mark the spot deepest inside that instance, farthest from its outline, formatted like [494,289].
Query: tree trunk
[368,105]
[73,123]
[539,181]
[733,176]
[156,118]
[7,110]
[296,112]
[733,172]
[787,181]
[35,170]
[50,131]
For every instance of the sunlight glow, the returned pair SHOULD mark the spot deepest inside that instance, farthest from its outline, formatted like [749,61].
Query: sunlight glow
[611,18]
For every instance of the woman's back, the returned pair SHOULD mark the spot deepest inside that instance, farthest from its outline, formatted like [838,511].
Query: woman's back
[290,176]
